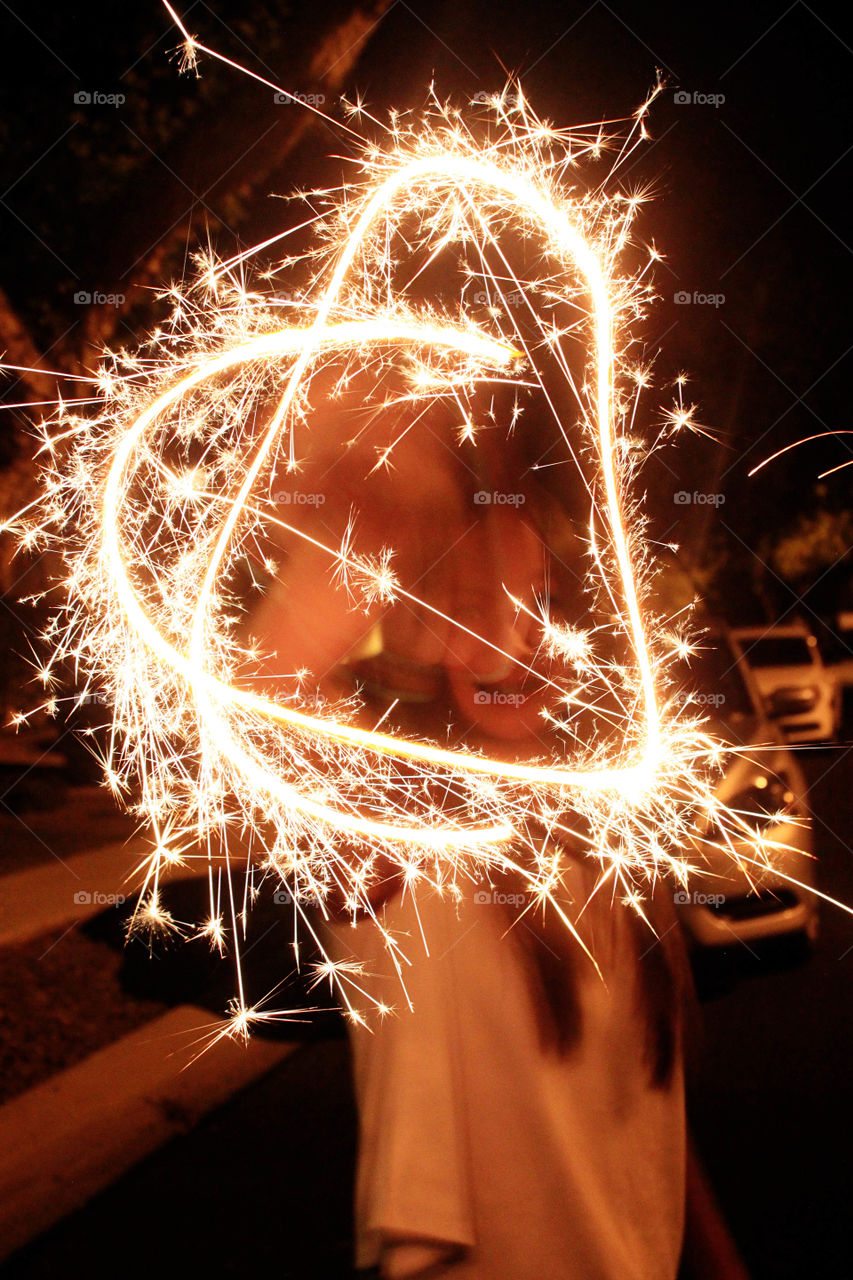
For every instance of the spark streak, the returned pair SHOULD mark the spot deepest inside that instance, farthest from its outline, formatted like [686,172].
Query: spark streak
[157,502]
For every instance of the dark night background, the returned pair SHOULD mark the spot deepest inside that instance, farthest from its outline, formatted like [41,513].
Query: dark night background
[751,201]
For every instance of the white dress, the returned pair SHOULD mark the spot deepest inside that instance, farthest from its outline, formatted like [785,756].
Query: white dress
[534,1166]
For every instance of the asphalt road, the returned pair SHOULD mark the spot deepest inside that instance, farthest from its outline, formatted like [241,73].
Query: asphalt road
[772,1099]
[265,1180]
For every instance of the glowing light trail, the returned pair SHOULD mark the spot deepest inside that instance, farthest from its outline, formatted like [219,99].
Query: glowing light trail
[153,502]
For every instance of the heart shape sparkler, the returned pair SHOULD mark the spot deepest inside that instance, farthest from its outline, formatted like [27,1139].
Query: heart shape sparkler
[156,506]
[450,176]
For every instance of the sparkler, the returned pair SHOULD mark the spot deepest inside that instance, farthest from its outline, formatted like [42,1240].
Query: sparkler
[820,435]
[159,500]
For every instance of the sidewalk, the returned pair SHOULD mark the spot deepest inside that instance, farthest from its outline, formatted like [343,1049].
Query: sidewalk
[62,891]
[79,1132]
[68,1138]
[261,1186]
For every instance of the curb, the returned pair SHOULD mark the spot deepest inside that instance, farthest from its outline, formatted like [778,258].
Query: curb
[71,1136]
[59,892]
[63,892]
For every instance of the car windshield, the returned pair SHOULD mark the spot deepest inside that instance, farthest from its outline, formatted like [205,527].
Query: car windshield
[722,687]
[778,651]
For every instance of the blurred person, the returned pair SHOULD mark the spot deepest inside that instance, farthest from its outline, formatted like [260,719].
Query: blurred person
[521,1115]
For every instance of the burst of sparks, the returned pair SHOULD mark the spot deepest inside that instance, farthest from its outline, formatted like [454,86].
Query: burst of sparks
[158,498]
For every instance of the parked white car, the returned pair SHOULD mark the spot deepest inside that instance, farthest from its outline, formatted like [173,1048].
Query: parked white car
[797,690]
[764,784]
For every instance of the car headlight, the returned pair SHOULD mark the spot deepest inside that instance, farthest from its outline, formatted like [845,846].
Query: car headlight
[766,800]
